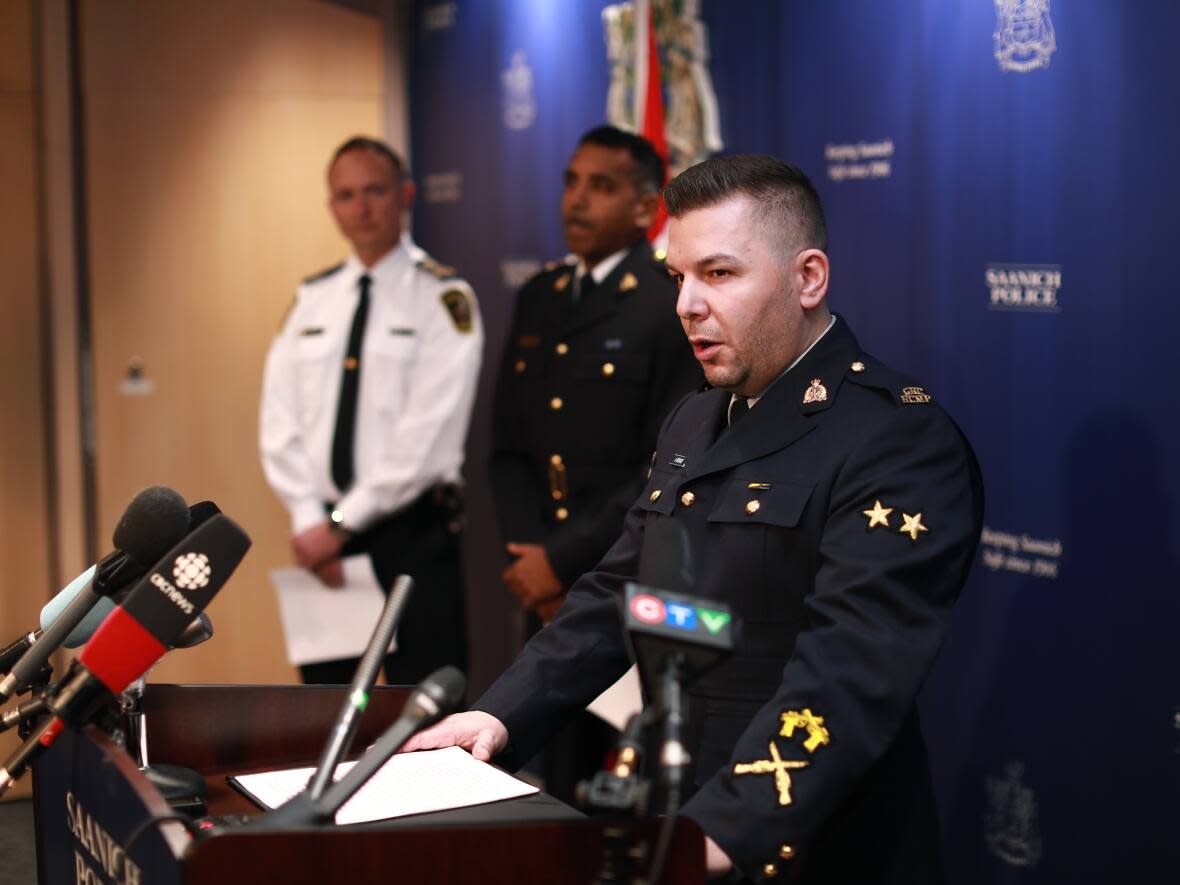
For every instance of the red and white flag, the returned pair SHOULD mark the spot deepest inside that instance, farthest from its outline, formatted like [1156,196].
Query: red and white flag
[649,104]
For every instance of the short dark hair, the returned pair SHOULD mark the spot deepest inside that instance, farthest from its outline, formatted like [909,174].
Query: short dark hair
[782,192]
[647,166]
[373,145]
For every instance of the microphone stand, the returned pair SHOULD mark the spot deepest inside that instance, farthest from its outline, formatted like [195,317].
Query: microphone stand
[674,758]
[182,788]
[621,789]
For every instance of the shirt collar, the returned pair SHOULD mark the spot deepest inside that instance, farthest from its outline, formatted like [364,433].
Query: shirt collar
[753,400]
[603,269]
[385,268]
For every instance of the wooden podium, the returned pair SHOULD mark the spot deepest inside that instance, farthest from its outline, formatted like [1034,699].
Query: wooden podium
[94,808]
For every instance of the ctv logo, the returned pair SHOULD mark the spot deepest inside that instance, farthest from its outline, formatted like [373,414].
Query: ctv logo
[653,610]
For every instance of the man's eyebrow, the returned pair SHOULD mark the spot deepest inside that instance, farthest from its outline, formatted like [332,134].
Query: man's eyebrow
[719,258]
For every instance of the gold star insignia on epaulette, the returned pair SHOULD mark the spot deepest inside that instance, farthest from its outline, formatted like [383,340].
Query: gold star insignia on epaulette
[561,282]
[878,515]
[913,525]
[816,733]
[775,765]
[915,395]
[628,282]
[816,393]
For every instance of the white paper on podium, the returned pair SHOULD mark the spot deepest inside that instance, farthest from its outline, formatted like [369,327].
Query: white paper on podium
[409,783]
[619,702]
[323,624]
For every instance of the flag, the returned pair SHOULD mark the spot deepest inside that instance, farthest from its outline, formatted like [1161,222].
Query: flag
[649,104]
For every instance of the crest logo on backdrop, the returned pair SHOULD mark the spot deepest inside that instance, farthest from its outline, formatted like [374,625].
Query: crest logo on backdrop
[1012,827]
[1024,36]
[520,104]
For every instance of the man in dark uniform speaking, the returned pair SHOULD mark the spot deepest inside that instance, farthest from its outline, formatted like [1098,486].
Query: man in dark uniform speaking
[832,504]
[592,365]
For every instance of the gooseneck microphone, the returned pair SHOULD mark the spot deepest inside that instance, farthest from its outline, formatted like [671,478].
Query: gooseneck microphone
[436,696]
[155,519]
[349,716]
[138,632]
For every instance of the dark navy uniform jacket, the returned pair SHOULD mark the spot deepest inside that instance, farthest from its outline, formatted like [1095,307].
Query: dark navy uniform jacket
[838,519]
[581,393]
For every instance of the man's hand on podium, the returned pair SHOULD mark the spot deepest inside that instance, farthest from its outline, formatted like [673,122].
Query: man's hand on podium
[481,734]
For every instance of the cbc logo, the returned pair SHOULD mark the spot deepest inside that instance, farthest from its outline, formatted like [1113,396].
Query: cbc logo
[192,571]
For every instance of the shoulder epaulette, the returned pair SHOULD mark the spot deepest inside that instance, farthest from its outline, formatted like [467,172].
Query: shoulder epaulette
[904,391]
[323,274]
[441,271]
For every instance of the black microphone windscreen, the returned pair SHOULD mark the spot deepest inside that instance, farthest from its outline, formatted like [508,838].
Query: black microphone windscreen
[201,512]
[446,687]
[665,560]
[152,523]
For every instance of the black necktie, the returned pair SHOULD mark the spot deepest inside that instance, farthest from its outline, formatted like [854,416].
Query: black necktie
[584,287]
[350,381]
[738,409]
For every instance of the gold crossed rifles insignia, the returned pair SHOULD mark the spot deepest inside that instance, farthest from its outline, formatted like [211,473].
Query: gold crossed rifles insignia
[776,765]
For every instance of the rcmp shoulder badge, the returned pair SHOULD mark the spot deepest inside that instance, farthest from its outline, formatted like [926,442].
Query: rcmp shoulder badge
[914,395]
[458,305]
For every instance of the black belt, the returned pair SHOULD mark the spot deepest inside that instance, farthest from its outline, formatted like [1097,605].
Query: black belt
[441,503]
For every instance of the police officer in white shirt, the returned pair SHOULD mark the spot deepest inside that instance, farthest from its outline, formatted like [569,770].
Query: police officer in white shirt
[367,396]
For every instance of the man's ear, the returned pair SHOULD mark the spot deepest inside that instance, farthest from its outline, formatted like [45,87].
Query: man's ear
[408,193]
[811,270]
[644,211]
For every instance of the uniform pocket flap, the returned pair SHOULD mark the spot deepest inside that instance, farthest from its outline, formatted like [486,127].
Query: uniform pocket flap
[659,495]
[765,503]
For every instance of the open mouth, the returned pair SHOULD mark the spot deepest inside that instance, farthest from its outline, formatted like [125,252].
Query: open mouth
[704,349]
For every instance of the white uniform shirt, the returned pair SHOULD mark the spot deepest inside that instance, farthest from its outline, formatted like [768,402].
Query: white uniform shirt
[417,386]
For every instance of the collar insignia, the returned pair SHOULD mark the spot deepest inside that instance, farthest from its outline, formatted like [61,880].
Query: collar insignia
[816,393]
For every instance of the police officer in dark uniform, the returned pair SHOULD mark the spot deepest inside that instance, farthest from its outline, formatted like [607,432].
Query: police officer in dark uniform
[593,362]
[833,505]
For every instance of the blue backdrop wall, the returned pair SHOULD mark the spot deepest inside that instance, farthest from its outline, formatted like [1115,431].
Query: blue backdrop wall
[1001,234]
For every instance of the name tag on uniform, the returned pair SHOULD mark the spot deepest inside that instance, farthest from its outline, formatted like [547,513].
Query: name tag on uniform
[529,341]
[308,331]
[612,344]
[678,461]
[401,330]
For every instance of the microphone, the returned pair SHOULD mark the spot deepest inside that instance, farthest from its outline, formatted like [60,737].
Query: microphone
[662,623]
[349,716]
[138,632]
[155,519]
[436,696]
[673,638]
[197,514]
